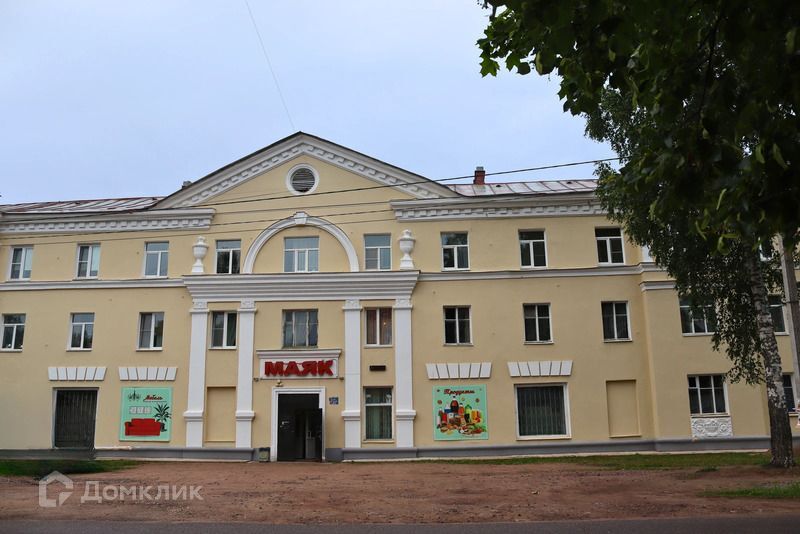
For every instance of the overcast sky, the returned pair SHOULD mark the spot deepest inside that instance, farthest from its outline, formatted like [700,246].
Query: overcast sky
[111,98]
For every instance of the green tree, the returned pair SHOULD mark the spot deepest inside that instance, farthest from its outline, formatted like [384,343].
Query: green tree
[712,90]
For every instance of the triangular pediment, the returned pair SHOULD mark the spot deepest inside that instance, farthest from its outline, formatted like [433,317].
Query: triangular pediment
[295,146]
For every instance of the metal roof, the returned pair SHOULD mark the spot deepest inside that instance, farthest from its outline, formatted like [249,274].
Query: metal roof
[545,187]
[103,205]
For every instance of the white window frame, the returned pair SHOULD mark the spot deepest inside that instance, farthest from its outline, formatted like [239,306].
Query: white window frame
[791,404]
[160,263]
[458,342]
[724,394]
[688,307]
[377,311]
[567,417]
[529,243]
[83,325]
[365,405]
[308,328]
[616,338]
[780,306]
[224,344]
[229,251]
[27,257]
[454,248]
[379,249]
[15,328]
[94,249]
[296,255]
[607,241]
[550,320]
[151,341]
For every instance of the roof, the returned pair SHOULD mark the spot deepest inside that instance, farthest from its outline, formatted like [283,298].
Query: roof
[103,205]
[548,187]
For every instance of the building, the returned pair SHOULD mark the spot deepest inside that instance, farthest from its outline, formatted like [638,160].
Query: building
[320,303]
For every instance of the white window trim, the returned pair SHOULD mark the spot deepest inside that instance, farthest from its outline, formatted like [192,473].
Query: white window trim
[550,311]
[608,245]
[529,242]
[3,326]
[289,174]
[567,416]
[295,252]
[727,411]
[796,399]
[455,250]
[26,249]
[283,327]
[444,327]
[388,247]
[224,345]
[89,263]
[364,408]
[160,254]
[217,250]
[627,318]
[70,348]
[705,320]
[377,309]
[785,331]
[151,348]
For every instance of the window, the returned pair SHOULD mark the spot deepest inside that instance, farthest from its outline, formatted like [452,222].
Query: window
[223,330]
[609,245]
[301,254]
[456,325]
[776,310]
[541,411]
[88,261]
[532,249]
[700,320]
[302,179]
[378,252]
[455,250]
[82,331]
[537,323]
[706,394]
[615,321]
[788,391]
[300,328]
[21,259]
[228,253]
[151,330]
[379,326]
[13,331]
[156,259]
[378,411]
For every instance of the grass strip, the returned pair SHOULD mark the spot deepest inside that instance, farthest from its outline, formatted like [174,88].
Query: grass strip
[781,491]
[41,468]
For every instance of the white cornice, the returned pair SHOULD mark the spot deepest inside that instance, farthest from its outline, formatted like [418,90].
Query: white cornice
[303,145]
[656,285]
[622,270]
[144,283]
[179,219]
[306,286]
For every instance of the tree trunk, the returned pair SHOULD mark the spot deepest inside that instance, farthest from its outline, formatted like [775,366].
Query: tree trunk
[779,429]
[790,290]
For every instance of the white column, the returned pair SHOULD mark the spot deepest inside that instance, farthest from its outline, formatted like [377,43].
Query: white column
[197,375]
[352,373]
[404,390]
[244,384]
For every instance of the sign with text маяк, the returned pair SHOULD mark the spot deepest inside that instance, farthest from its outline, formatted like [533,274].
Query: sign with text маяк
[146,414]
[459,413]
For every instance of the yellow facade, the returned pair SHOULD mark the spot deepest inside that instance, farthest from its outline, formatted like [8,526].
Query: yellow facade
[598,394]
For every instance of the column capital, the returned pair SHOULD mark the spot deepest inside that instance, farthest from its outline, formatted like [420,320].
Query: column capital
[352,305]
[403,303]
[199,306]
[247,306]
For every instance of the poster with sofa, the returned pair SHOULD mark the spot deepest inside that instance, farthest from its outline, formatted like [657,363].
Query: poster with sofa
[146,414]
[459,413]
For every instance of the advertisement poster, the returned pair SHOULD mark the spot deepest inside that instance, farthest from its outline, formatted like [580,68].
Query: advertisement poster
[146,414]
[459,413]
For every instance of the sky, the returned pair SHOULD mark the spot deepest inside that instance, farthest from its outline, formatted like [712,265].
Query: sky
[117,99]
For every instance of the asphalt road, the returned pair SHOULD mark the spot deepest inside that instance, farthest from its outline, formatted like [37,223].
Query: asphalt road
[704,525]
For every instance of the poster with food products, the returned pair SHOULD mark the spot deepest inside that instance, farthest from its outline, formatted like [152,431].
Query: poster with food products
[459,413]
[146,414]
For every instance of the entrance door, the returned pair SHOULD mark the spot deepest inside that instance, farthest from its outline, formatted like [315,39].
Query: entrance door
[74,418]
[299,427]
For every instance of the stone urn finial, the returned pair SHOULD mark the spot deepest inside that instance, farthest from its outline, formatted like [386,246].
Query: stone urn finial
[406,243]
[199,249]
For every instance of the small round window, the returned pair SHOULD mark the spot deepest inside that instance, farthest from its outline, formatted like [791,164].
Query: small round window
[302,180]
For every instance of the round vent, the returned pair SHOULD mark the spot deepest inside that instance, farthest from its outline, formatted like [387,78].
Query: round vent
[302,180]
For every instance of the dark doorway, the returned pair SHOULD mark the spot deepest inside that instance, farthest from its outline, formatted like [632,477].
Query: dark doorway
[74,419]
[299,427]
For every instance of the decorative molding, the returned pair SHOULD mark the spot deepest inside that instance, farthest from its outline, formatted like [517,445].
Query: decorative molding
[352,305]
[622,270]
[303,286]
[144,283]
[711,427]
[446,371]
[158,374]
[403,304]
[298,353]
[199,218]
[540,368]
[247,306]
[76,374]
[300,218]
[657,285]
[568,204]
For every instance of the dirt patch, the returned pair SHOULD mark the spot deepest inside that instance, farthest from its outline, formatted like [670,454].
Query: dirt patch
[406,492]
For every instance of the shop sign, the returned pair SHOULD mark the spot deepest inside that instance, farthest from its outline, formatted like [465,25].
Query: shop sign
[146,414]
[299,368]
[459,413]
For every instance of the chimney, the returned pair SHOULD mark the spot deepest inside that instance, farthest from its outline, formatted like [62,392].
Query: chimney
[186,183]
[480,176]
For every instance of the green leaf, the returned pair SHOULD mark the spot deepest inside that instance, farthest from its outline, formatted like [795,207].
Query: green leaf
[759,152]
[778,157]
[538,63]
[523,67]
[721,196]
[791,36]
